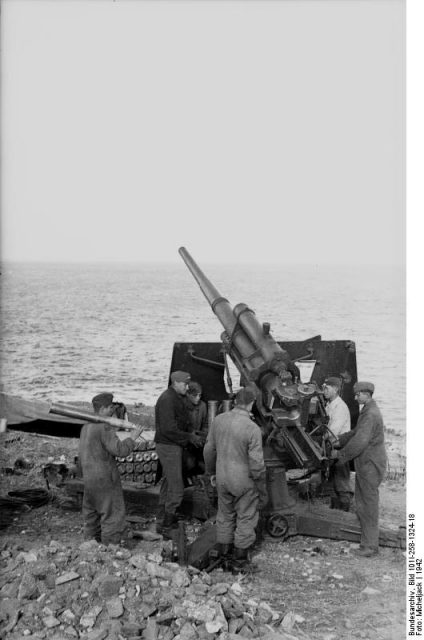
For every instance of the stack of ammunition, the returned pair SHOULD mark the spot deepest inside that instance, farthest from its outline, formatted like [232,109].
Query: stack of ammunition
[140,465]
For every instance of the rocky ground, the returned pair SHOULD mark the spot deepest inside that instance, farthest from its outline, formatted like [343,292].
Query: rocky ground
[54,585]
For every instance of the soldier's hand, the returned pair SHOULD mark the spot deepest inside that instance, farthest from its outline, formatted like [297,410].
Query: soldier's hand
[196,440]
[213,480]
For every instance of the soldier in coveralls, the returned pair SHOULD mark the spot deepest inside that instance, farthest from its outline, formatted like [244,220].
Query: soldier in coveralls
[233,452]
[103,505]
[366,448]
[338,424]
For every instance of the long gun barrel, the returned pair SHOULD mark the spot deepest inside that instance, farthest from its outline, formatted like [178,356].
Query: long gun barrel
[262,363]
[74,412]
[249,343]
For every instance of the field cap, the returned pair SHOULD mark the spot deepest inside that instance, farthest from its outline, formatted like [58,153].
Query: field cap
[363,386]
[333,382]
[245,396]
[194,388]
[102,400]
[180,376]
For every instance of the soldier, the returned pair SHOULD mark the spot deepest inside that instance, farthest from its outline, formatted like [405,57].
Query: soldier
[172,435]
[366,448]
[103,505]
[197,410]
[233,452]
[198,418]
[338,423]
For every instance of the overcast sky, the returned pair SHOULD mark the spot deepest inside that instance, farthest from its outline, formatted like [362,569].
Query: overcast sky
[265,131]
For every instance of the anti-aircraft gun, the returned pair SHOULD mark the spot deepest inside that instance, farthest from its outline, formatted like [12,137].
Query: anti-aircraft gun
[289,409]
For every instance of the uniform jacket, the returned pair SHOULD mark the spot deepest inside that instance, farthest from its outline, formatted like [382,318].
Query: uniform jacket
[171,419]
[233,451]
[98,447]
[366,446]
[197,415]
[339,416]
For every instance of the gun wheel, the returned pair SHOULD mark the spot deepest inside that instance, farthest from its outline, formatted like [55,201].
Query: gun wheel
[277,525]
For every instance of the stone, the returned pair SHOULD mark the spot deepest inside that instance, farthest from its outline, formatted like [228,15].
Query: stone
[68,616]
[89,618]
[114,607]
[28,588]
[180,578]
[50,622]
[67,577]
[369,591]
[219,589]
[138,560]
[26,557]
[109,586]
[89,545]
[188,632]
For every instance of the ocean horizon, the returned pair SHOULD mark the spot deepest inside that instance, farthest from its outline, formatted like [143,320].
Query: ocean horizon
[69,330]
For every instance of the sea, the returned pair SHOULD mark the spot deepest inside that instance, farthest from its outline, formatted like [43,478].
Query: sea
[69,331]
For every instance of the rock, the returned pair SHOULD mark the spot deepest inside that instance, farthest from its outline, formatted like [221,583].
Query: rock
[10,590]
[187,632]
[96,634]
[108,586]
[237,588]
[264,613]
[89,545]
[139,560]
[115,608]
[157,571]
[149,535]
[28,588]
[151,630]
[89,618]
[369,591]
[219,589]
[131,629]
[50,622]
[180,578]
[288,621]
[26,557]
[67,577]
[40,569]
[68,616]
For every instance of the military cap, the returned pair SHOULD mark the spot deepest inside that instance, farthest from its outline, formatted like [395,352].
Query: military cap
[194,388]
[332,381]
[102,400]
[180,376]
[245,396]
[363,386]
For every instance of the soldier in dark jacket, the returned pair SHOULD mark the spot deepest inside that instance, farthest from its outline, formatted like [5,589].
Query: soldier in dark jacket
[172,435]
[366,448]
[197,411]
[103,505]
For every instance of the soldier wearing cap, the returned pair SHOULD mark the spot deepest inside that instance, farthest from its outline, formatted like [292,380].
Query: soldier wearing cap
[103,505]
[338,424]
[366,448]
[198,418]
[233,452]
[172,435]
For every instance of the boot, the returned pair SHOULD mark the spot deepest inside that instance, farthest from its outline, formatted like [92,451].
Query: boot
[169,523]
[335,503]
[345,505]
[240,561]
[345,500]
[225,551]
